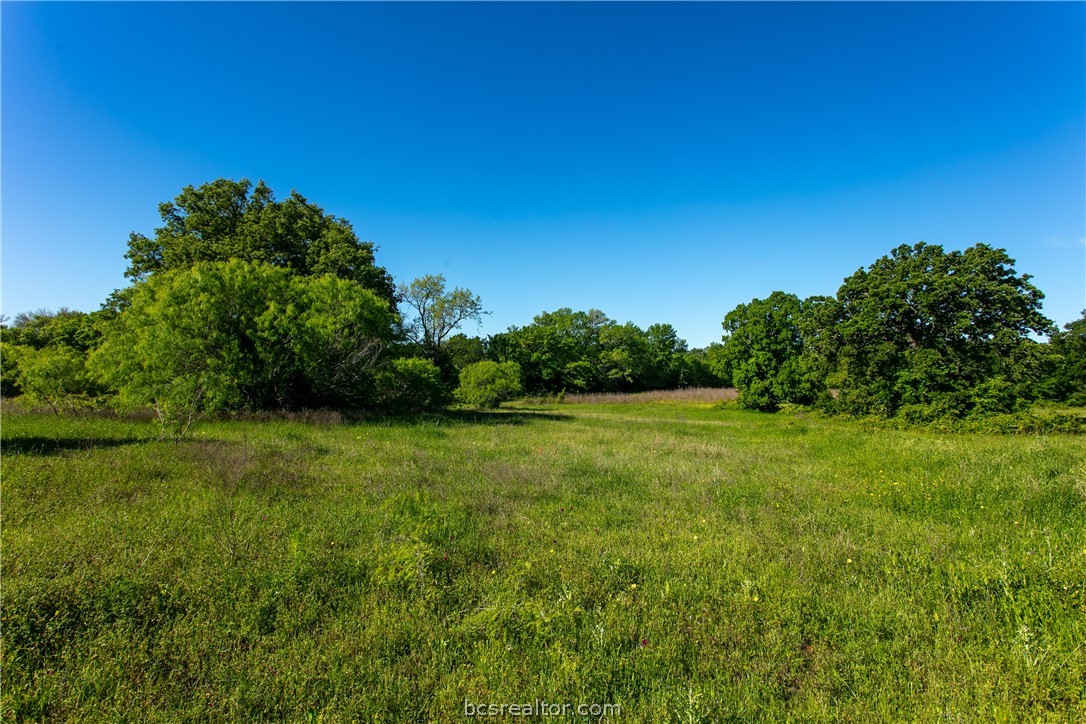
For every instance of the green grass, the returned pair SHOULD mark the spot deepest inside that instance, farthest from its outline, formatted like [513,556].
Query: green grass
[683,562]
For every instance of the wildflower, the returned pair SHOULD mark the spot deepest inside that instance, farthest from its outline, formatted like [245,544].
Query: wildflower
[633,586]
[755,599]
[849,561]
[644,642]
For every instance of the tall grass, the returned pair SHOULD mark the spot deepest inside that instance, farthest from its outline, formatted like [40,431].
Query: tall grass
[694,395]
[682,562]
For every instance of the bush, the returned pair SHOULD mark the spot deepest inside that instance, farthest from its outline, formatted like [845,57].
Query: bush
[56,376]
[234,336]
[488,384]
[410,385]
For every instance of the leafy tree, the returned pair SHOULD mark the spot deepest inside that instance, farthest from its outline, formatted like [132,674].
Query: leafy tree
[704,368]
[488,383]
[410,385]
[666,368]
[764,349]
[337,332]
[947,332]
[1069,360]
[225,220]
[558,350]
[56,376]
[589,352]
[624,358]
[437,312]
[238,335]
[75,330]
[458,352]
[9,369]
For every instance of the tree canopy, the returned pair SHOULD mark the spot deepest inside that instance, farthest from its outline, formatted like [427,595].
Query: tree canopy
[225,220]
[1069,362]
[922,327]
[764,350]
[589,352]
[240,301]
[239,335]
[437,313]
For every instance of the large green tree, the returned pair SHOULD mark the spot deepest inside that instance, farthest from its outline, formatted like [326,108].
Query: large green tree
[764,351]
[237,335]
[667,366]
[225,219]
[948,333]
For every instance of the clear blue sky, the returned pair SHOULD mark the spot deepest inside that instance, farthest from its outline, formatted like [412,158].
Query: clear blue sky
[661,162]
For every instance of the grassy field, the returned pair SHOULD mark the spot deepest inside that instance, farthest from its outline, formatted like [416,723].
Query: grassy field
[676,560]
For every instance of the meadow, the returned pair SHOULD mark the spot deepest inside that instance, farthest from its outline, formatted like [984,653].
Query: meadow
[674,559]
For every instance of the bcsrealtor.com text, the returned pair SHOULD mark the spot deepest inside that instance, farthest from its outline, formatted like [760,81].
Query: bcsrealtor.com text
[541,708]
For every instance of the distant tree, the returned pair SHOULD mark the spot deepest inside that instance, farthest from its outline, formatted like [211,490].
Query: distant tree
[75,330]
[225,220]
[1068,349]
[559,350]
[458,352]
[624,358]
[437,313]
[44,356]
[589,352]
[487,384]
[703,368]
[667,358]
[945,332]
[764,350]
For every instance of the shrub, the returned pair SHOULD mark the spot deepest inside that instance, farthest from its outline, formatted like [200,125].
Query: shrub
[488,384]
[235,336]
[410,385]
[56,376]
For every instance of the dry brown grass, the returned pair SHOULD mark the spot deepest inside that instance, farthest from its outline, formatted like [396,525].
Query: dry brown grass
[703,395]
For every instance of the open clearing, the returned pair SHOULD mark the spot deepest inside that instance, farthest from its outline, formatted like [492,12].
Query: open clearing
[682,562]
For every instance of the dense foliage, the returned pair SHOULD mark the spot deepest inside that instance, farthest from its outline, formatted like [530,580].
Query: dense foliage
[921,333]
[225,220]
[243,302]
[238,335]
[1067,381]
[589,352]
[488,384]
[937,333]
[764,349]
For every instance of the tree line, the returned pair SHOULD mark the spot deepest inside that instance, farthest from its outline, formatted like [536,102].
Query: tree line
[242,302]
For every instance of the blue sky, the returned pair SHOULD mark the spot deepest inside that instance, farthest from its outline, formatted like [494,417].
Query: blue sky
[661,162]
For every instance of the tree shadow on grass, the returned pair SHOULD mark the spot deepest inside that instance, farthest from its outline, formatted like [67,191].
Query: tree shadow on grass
[41,445]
